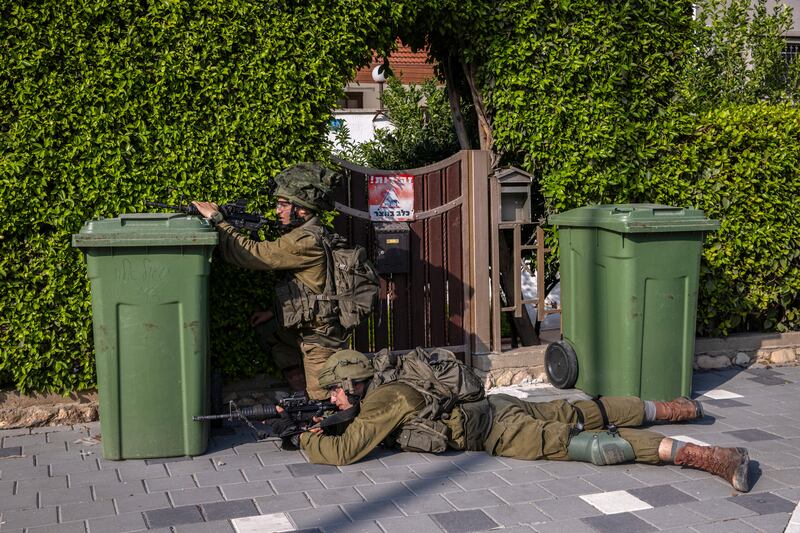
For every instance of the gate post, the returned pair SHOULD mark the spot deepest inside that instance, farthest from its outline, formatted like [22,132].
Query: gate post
[476,251]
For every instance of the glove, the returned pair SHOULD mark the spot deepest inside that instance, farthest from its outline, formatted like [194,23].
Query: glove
[284,426]
[291,443]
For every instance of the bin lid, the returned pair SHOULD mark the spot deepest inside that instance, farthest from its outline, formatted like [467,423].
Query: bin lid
[636,218]
[146,229]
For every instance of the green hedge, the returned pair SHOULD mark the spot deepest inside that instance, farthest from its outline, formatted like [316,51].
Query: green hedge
[108,104]
[741,165]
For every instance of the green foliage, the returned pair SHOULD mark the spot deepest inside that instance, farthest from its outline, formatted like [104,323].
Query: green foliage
[109,104]
[422,129]
[740,165]
[735,56]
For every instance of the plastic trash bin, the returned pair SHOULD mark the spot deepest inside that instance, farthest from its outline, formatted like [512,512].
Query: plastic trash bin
[149,280]
[629,276]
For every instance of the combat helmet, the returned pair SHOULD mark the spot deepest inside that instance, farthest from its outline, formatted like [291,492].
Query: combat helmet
[344,368]
[308,185]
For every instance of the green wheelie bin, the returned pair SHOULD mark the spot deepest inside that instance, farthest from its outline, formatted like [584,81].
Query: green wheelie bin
[149,288]
[629,276]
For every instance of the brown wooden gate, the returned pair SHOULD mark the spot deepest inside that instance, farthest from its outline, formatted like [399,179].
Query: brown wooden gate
[449,250]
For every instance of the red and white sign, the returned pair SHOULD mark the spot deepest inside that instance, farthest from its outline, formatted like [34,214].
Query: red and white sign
[391,198]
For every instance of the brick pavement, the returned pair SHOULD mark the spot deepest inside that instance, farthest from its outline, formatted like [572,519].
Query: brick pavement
[53,480]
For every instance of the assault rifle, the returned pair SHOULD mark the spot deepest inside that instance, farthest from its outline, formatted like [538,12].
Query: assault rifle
[300,411]
[235,214]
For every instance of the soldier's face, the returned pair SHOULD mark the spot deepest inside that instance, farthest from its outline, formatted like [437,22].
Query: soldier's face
[283,208]
[339,398]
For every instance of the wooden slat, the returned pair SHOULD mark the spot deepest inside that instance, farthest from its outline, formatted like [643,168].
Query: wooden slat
[455,274]
[400,323]
[418,302]
[361,234]
[437,321]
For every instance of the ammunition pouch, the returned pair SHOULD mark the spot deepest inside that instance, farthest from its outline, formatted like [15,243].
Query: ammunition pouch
[297,306]
[600,448]
[422,435]
[477,423]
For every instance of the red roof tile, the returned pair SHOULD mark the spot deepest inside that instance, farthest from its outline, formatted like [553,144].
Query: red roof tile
[408,66]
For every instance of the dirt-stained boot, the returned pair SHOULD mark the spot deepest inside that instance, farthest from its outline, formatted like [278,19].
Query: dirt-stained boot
[731,464]
[679,410]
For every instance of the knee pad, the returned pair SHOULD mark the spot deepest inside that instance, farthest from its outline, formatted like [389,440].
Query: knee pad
[600,448]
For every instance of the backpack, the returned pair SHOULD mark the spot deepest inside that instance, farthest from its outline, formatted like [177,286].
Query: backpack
[352,283]
[445,383]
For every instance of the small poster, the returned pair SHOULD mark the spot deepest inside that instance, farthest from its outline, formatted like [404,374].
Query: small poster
[391,198]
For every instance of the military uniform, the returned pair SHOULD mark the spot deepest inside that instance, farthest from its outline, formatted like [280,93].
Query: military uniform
[519,429]
[300,254]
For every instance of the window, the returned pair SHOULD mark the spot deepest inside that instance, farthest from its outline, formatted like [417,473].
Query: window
[351,100]
[791,51]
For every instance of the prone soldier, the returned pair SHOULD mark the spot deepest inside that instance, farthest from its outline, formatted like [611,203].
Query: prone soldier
[599,431]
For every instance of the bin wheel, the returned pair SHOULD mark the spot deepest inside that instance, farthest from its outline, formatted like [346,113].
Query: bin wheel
[561,365]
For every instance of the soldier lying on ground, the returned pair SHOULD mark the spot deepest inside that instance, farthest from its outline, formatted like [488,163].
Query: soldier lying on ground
[557,430]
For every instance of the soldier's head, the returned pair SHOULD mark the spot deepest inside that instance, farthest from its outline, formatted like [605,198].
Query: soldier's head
[346,375]
[303,190]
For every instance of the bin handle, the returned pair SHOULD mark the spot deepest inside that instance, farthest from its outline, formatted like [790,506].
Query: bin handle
[621,210]
[666,210]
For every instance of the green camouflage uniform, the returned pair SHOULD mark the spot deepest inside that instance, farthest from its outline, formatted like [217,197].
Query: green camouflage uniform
[520,429]
[300,254]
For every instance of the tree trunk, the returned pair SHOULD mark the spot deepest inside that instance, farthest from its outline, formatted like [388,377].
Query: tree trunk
[484,125]
[455,106]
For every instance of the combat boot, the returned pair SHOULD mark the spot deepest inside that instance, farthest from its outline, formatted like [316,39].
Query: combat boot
[679,410]
[731,464]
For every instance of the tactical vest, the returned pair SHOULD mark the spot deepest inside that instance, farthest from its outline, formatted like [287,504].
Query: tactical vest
[456,411]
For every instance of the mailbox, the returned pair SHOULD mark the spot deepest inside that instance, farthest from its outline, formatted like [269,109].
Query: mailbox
[391,248]
[515,195]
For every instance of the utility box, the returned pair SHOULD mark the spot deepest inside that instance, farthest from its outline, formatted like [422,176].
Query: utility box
[392,250]
[629,278]
[149,287]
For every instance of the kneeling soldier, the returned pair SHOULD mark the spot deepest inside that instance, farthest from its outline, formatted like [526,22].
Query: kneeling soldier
[510,427]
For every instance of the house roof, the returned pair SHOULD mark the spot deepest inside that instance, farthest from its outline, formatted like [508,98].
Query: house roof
[408,66]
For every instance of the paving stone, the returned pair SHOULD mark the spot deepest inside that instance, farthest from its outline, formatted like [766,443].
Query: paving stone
[524,476]
[183,497]
[612,481]
[404,459]
[170,483]
[613,523]
[267,472]
[365,526]
[433,503]
[168,460]
[464,521]
[142,502]
[752,435]
[118,524]
[763,503]
[389,475]
[769,381]
[240,491]
[24,440]
[478,481]
[567,469]
[385,491]
[52,497]
[719,509]
[11,451]
[308,469]
[473,499]
[706,489]
[521,493]
[770,522]
[71,527]
[432,486]
[521,513]
[334,496]
[68,436]
[189,514]
[96,477]
[330,516]
[571,506]
[567,487]
[280,457]
[86,510]
[189,467]
[345,479]
[29,518]
[724,404]
[206,479]
[371,510]
[282,502]
[658,475]
[235,462]
[107,491]
[228,510]
[474,462]
[436,470]
[219,526]
[13,502]
[14,432]
[662,495]
[41,483]
[74,467]
[564,526]
[729,526]
[295,484]
[671,516]
[129,472]
[408,524]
